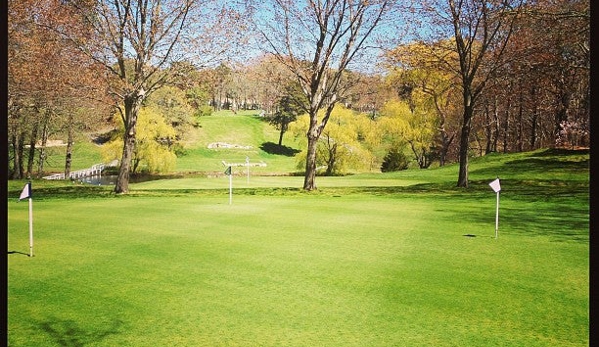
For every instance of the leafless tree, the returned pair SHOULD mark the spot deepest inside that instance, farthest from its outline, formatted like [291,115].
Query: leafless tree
[139,43]
[479,31]
[317,40]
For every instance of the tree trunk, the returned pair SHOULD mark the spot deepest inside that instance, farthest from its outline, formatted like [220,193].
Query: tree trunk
[281,135]
[445,143]
[464,146]
[533,130]
[32,142]
[43,154]
[17,145]
[488,131]
[69,152]
[310,175]
[496,122]
[331,161]
[561,115]
[506,129]
[520,127]
[132,105]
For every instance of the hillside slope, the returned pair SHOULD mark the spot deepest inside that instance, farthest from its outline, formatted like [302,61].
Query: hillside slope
[248,136]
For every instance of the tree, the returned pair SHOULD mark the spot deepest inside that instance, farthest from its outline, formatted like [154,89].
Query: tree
[316,41]
[153,151]
[414,124]
[557,40]
[139,43]
[340,147]
[270,79]
[544,83]
[480,27]
[53,88]
[480,31]
[415,69]
[173,104]
[367,93]
[395,160]
[288,108]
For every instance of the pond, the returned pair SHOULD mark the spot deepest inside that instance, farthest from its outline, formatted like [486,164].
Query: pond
[110,180]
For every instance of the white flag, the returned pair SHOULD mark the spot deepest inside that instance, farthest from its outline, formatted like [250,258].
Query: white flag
[495,185]
[26,193]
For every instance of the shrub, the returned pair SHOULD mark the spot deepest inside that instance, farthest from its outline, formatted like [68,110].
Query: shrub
[395,160]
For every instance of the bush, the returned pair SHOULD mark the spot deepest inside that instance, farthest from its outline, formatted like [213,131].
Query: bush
[395,160]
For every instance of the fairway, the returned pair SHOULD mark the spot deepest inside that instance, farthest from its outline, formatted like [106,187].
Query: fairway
[340,267]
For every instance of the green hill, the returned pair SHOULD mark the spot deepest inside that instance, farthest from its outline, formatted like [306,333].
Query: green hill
[247,134]
[252,135]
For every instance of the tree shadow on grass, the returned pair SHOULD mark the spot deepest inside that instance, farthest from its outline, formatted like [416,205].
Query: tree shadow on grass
[565,225]
[551,160]
[273,148]
[68,333]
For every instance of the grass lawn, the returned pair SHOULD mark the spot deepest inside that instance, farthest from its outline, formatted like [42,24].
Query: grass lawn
[382,263]
[244,129]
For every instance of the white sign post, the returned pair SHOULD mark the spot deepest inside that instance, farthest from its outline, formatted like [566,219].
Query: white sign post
[496,188]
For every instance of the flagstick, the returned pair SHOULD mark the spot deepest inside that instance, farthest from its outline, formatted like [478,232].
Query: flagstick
[30,227]
[497,216]
[496,186]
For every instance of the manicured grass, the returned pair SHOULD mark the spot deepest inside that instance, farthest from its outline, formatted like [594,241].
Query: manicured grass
[85,154]
[245,128]
[402,259]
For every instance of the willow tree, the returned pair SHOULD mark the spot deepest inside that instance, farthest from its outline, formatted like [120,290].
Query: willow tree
[317,41]
[140,42]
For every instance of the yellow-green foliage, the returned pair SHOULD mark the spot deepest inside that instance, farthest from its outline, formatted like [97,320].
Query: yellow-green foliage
[416,124]
[152,151]
[172,104]
[345,143]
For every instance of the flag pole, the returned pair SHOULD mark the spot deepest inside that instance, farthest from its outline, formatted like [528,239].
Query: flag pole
[30,225]
[229,173]
[497,216]
[27,194]
[496,186]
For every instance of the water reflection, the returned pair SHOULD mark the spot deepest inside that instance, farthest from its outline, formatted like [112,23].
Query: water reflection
[99,180]
[110,180]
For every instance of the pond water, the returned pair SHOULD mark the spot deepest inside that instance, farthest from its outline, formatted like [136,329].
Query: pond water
[103,180]
[110,180]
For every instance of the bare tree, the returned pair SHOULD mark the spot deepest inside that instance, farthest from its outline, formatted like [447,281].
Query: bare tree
[480,31]
[139,42]
[49,80]
[316,41]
